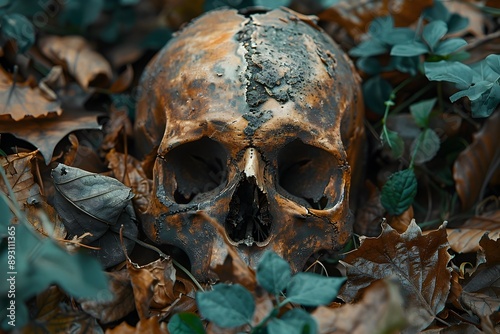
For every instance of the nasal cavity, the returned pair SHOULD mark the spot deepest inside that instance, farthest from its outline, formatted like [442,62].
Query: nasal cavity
[249,221]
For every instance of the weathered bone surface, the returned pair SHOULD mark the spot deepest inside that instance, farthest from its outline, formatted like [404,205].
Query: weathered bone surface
[257,124]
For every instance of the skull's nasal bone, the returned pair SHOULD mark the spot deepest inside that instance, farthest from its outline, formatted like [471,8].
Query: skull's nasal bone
[254,167]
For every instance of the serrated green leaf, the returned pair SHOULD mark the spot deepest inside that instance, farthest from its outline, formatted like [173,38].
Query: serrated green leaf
[376,90]
[433,32]
[455,72]
[394,141]
[427,145]
[399,191]
[493,62]
[273,273]
[421,111]
[226,305]
[449,46]
[185,323]
[301,319]
[410,49]
[18,28]
[310,289]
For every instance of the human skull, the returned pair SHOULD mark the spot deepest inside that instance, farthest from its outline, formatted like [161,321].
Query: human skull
[257,123]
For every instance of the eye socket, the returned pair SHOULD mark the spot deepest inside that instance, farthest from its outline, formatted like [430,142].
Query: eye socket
[304,172]
[197,167]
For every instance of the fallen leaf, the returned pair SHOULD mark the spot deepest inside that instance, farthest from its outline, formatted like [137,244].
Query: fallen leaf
[123,81]
[490,249]
[462,328]
[45,133]
[465,239]
[129,171]
[82,155]
[18,171]
[44,219]
[99,205]
[117,307]
[380,310]
[77,57]
[400,223]
[21,100]
[479,303]
[371,212]
[151,326]
[355,16]
[476,164]
[116,130]
[418,262]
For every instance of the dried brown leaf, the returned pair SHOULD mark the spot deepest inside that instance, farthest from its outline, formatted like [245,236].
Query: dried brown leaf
[77,57]
[490,249]
[418,262]
[21,100]
[465,239]
[82,155]
[20,177]
[378,311]
[480,303]
[117,129]
[123,81]
[355,16]
[117,307]
[45,220]
[150,326]
[47,132]
[476,164]
[400,223]
[462,328]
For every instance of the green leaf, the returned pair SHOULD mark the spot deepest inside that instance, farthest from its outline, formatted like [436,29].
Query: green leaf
[371,47]
[455,72]
[409,49]
[17,27]
[376,90]
[310,289]
[272,4]
[278,326]
[473,92]
[81,13]
[394,141]
[399,191]
[185,323]
[437,12]
[493,62]
[427,145]
[5,215]
[226,305]
[449,46]
[433,32]
[301,319]
[273,273]
[421,111]
[487,103]
[456,23]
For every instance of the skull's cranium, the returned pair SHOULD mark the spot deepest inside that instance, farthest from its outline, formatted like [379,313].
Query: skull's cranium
[257,121]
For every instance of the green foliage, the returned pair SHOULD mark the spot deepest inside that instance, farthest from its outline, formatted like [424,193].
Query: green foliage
[231,305]
[399,191]
[5,214]
[19,28]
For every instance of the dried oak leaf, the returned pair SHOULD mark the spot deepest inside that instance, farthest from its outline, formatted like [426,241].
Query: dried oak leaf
[150,326]
[378,311]
[418,262]
[476,164]
[45,133]
[21,100]
[355,16]
[18,170]
[77,57]
[53,313]
[119,305]
[465,239]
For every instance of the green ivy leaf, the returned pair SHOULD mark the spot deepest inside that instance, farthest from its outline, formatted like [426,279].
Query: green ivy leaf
[455,72]
[427,145]
[17,27]
[310,289]
[421,112]
[399,191]
[371,47]
[185,323]
[394,141]
[376,91]
[486,103]
[433,32]
[449,46]
[474,92]
[410,49]
[226,305]
[273,273]
[302,320]
[493,62]
[278,326]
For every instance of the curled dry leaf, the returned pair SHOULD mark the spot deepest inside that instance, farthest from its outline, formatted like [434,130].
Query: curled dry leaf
[355,16]
[82,155]
[476,164]
[129,170]
[123,81]
[77,57]
[400,223]
[21,100]
[378,311]
[45,220]
[18,170]
[121,304]
[45,133]
[96,204]
[465,239]
[150,326]
[117,129]
[418,262]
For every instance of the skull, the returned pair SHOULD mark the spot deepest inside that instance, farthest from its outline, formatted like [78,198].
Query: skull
[256,120]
